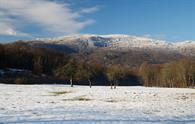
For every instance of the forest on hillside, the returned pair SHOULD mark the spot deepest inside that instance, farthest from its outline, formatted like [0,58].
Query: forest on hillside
[94,67]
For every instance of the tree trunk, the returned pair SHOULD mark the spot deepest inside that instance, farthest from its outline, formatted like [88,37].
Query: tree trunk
[189,81]
[115,84]
[146,83]
[71,82]
[111,85]
[90,84]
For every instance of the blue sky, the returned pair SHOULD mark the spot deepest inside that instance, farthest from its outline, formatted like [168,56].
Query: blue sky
[172,20]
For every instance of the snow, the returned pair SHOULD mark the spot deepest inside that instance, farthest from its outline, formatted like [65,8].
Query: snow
[122,41]
[99,104]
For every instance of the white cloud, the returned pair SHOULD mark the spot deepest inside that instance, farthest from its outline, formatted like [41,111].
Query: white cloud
[49,15]
[6,29]
[90,10]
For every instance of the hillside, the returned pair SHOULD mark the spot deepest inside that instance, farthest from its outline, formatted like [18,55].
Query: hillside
[119,42]
[92,58]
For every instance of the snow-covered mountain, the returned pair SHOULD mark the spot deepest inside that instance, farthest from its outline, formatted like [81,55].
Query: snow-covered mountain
[120,42]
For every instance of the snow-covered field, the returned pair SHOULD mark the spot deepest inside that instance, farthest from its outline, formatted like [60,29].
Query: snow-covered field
[100,104]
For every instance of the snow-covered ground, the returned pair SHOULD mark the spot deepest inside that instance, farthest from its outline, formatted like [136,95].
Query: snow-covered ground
[100,104]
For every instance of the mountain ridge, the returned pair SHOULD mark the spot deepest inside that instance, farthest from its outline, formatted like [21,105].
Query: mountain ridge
[119,42]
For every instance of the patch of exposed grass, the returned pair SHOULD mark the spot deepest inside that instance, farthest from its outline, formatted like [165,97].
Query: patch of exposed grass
[2,108]
[111,100]
[82,98]
[79,98]
[60,93]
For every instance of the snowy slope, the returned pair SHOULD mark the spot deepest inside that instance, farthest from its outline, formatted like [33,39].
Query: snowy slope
[117,40]
[122,42]
[185,47]
[100,104]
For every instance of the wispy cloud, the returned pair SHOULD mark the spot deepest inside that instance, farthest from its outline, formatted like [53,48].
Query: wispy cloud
[8,30]
[49,15]
[90,10]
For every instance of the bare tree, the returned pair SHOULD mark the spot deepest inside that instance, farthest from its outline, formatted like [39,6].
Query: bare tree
[68,70]
[114,73]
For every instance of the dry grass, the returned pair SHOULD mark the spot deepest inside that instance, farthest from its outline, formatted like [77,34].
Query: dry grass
[60,93]
[111,100]
[79,98]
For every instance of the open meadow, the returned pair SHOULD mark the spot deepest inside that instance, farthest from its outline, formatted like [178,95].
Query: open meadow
[99,104]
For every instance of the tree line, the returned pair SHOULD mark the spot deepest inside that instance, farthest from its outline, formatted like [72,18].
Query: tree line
[83,67]
[179,73]
[38,60]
